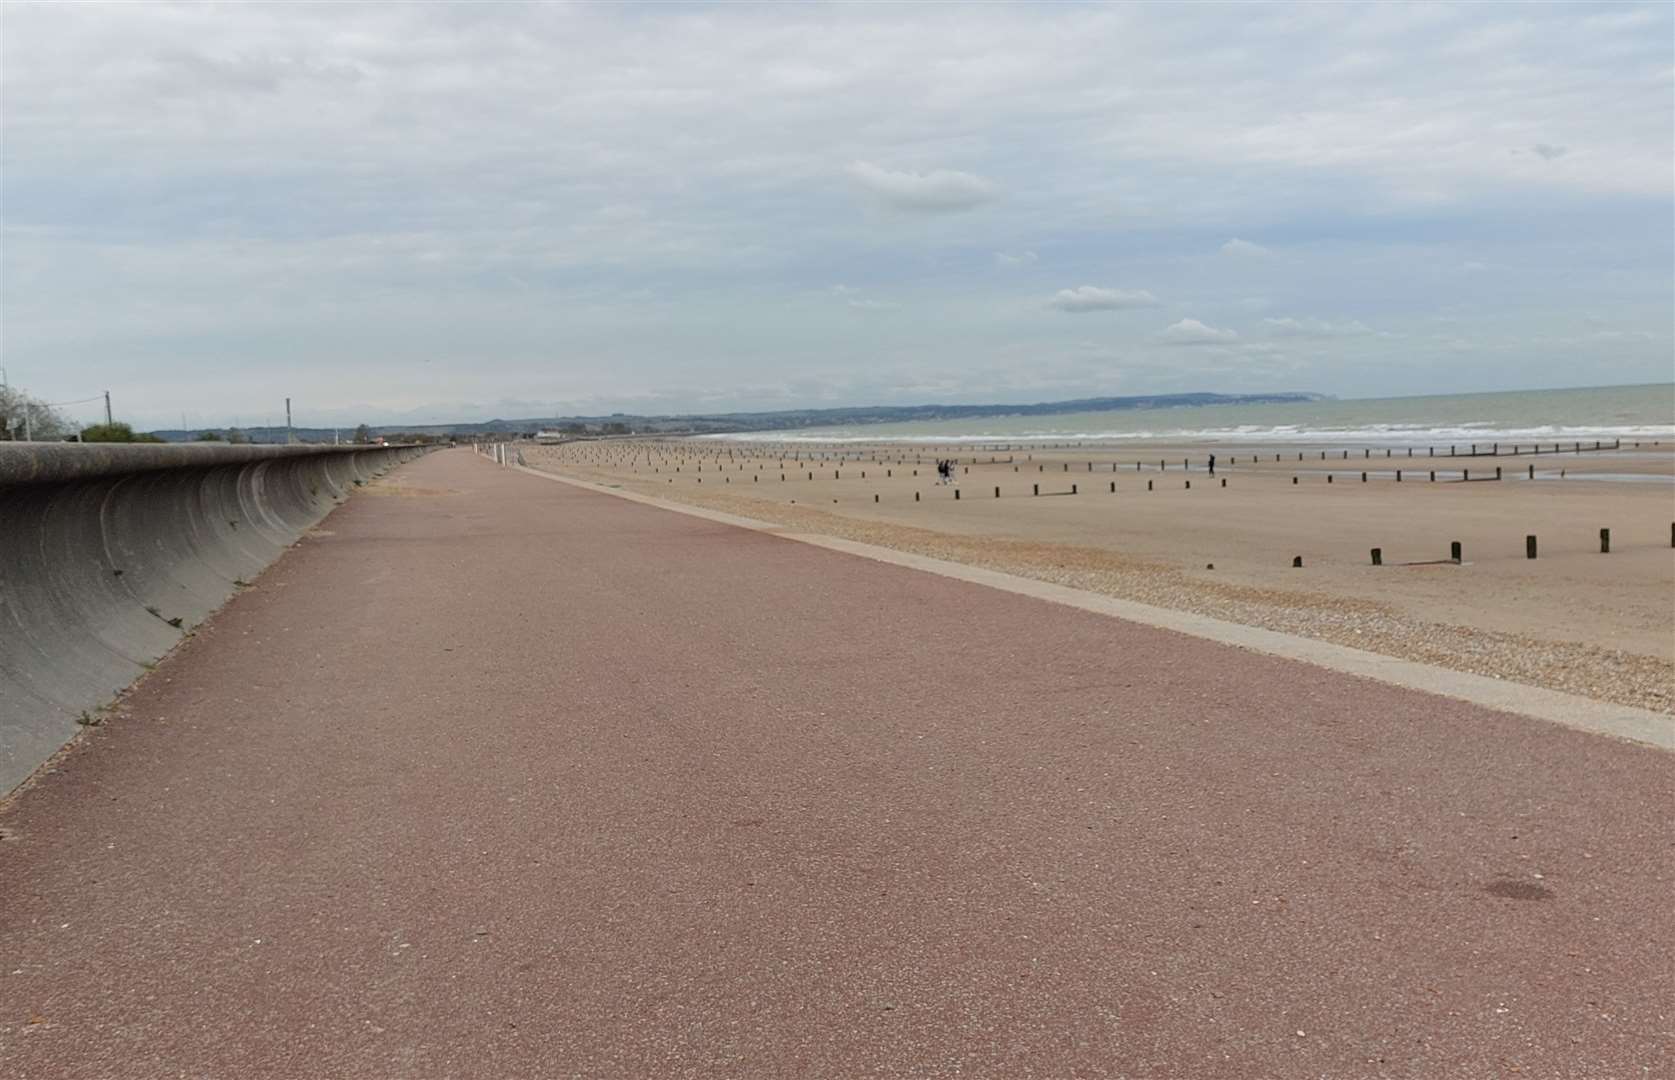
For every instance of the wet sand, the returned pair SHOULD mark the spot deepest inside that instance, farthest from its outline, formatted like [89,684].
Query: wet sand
[1572,619]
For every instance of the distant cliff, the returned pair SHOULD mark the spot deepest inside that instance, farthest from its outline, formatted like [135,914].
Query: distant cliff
[895,414]
[785,420]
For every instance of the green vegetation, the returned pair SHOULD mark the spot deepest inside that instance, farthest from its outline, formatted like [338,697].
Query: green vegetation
[115,433]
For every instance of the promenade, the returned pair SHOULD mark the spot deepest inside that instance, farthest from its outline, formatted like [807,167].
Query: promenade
[492,776]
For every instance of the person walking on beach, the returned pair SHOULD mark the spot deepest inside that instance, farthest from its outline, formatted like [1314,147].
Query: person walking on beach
[1212,464]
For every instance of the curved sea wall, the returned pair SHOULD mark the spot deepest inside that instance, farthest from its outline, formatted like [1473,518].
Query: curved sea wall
[109,554]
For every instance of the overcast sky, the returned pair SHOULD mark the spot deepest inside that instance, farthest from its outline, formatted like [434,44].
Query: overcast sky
[426,212]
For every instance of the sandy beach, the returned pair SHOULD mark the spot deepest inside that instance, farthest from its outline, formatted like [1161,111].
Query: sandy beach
[1573,619]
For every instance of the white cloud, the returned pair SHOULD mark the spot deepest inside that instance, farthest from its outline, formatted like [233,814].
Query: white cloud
[1236,246]
[1193,332]
[874,305]
[1315,328]
[1094,298]
[625,202]
[938,191]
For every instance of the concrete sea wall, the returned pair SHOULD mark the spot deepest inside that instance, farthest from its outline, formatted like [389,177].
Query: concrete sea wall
[109,554]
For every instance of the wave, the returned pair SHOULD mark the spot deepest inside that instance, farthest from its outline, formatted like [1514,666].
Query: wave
[1382,434]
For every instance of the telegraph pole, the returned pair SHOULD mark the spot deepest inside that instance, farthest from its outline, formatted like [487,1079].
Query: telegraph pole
[289,438]
[107,408]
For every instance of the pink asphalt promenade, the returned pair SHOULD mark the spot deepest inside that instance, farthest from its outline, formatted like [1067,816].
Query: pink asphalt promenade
[501,778]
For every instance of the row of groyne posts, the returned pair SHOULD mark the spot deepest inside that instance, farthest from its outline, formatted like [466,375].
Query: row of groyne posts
[110,554]
[1494,450]
[634,455]
[723,459]
[1456,550]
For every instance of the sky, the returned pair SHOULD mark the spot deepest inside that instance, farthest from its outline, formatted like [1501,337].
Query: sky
[426,213]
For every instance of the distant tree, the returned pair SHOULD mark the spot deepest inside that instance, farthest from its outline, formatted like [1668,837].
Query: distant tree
[209,436]
[108,433]
[615,427]
[363,434]
[21,414]
[117,433]
[237,437]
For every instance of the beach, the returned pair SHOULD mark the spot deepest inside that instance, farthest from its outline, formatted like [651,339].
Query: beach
[1572,619]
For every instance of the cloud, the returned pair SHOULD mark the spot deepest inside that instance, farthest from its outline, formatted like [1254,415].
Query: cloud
[938,191]
[1093,298]
[1193,332]
[1315,328]
[1548,151]
[874,305]
[288,172]
[1236,246]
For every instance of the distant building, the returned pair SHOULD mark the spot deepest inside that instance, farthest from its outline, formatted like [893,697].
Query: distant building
[549,438]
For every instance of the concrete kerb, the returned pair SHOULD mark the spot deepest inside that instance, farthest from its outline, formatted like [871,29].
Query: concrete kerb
[109,555]
[1570,710]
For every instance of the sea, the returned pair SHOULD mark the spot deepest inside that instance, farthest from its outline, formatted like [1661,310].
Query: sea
[1639,412]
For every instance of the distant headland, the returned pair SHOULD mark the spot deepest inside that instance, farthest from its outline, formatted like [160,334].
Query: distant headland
[781,420]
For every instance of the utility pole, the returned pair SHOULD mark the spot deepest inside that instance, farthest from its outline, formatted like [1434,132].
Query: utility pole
[289,438]
[107,408]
